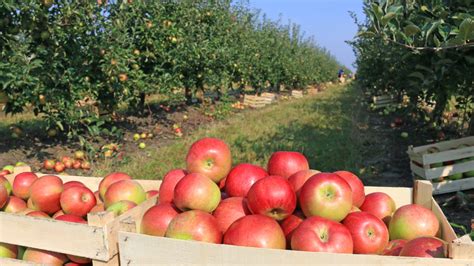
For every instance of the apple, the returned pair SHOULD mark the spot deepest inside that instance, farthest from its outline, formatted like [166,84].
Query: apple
[57,214]
[394,247]
[14,205]
[5,183]
[168,184]
[210,157]
[78,260]
[98,208]
[155,221]
[85,165]
[38,214]
[44,257]
[97,197]
[412,221]
[109,180]
[286,163]
[8,251]
[45,193]
[124,190]
[379,204]
[142,145]
[327,195]
[241,178]
[222,184]
[76,164]
[3,196]
[121,207]
[354,209]
[298,179]
[195,225]
[22,183]
[79,155]
[30,205]
[71,218]
[70,184]
[322,235]
[151,193]
[358,192]
[66,160]
[196,192]
[272,196]
[59,167]
[369,233]
[289,225]
[77,200]
[49,164]
[427,247]
[229,211]
[9,168]
[255,230]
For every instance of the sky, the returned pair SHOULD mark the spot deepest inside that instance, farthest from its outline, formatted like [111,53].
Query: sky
[327,20]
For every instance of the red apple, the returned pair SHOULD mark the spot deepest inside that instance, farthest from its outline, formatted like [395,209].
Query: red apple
[155,221]
[369,233]
[3,196]
[124,190]
[8,251]
[85,165]
[412,221]
[44,257]
[57,214]
[151,193]
[77,200]
[79,260]
[427,247]
[14,205]
[255,230]
[379,204]
[49,164]
[31,206]
[98,208]
[22,183]
[195,225]
[76,164]
[168,184]
[59,167]
[210,157]
[196,192]
[109,180]
[358,192]
[45,193]
[241,178]
[322,235]
[5,183]
[394,247]
[286,163]
[327,195]
[298,179]
[71,218]
[289,225]
[38,214]
[73,184]
[121,207]
[222,184]
[229,211]
[272,196]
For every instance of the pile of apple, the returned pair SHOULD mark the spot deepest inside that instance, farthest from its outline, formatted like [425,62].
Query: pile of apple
[285,206]
[66,162]
[47,197]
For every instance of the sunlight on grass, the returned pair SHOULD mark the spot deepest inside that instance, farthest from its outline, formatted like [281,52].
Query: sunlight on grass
[321,127]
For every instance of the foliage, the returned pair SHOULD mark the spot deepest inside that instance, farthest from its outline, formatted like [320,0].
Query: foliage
[71,61]
[421,48]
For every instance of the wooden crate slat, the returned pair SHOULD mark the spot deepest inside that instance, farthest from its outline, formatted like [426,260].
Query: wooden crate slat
[449,186]
[449,155]
[445,145]
[448,170]
[48,234]
[462,247]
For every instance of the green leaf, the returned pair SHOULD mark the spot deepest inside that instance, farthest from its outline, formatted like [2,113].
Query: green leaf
[389,16]
[466,29]
[417,75]
[411,30]
[60,125]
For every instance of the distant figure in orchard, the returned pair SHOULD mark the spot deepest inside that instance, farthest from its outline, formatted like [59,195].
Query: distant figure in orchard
[340,76]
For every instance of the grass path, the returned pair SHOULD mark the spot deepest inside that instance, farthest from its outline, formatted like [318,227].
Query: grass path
[321,126]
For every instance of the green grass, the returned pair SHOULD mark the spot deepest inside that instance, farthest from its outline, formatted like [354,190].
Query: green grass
[323,127]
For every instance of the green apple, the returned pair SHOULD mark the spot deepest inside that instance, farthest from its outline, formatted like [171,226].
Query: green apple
[404,135]
[136,137]
[9,168]
[142,145]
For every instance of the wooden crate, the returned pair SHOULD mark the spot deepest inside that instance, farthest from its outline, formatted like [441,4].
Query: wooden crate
[255,101]
[430,166]
[270,97]
[96,240]
[383,101]
[139,249]
[297,94]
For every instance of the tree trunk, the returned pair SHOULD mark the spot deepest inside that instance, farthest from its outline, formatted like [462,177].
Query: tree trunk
[189,96]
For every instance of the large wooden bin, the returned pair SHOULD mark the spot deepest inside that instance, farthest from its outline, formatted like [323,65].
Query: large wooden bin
[454,157]
[138,249]
[96,240]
